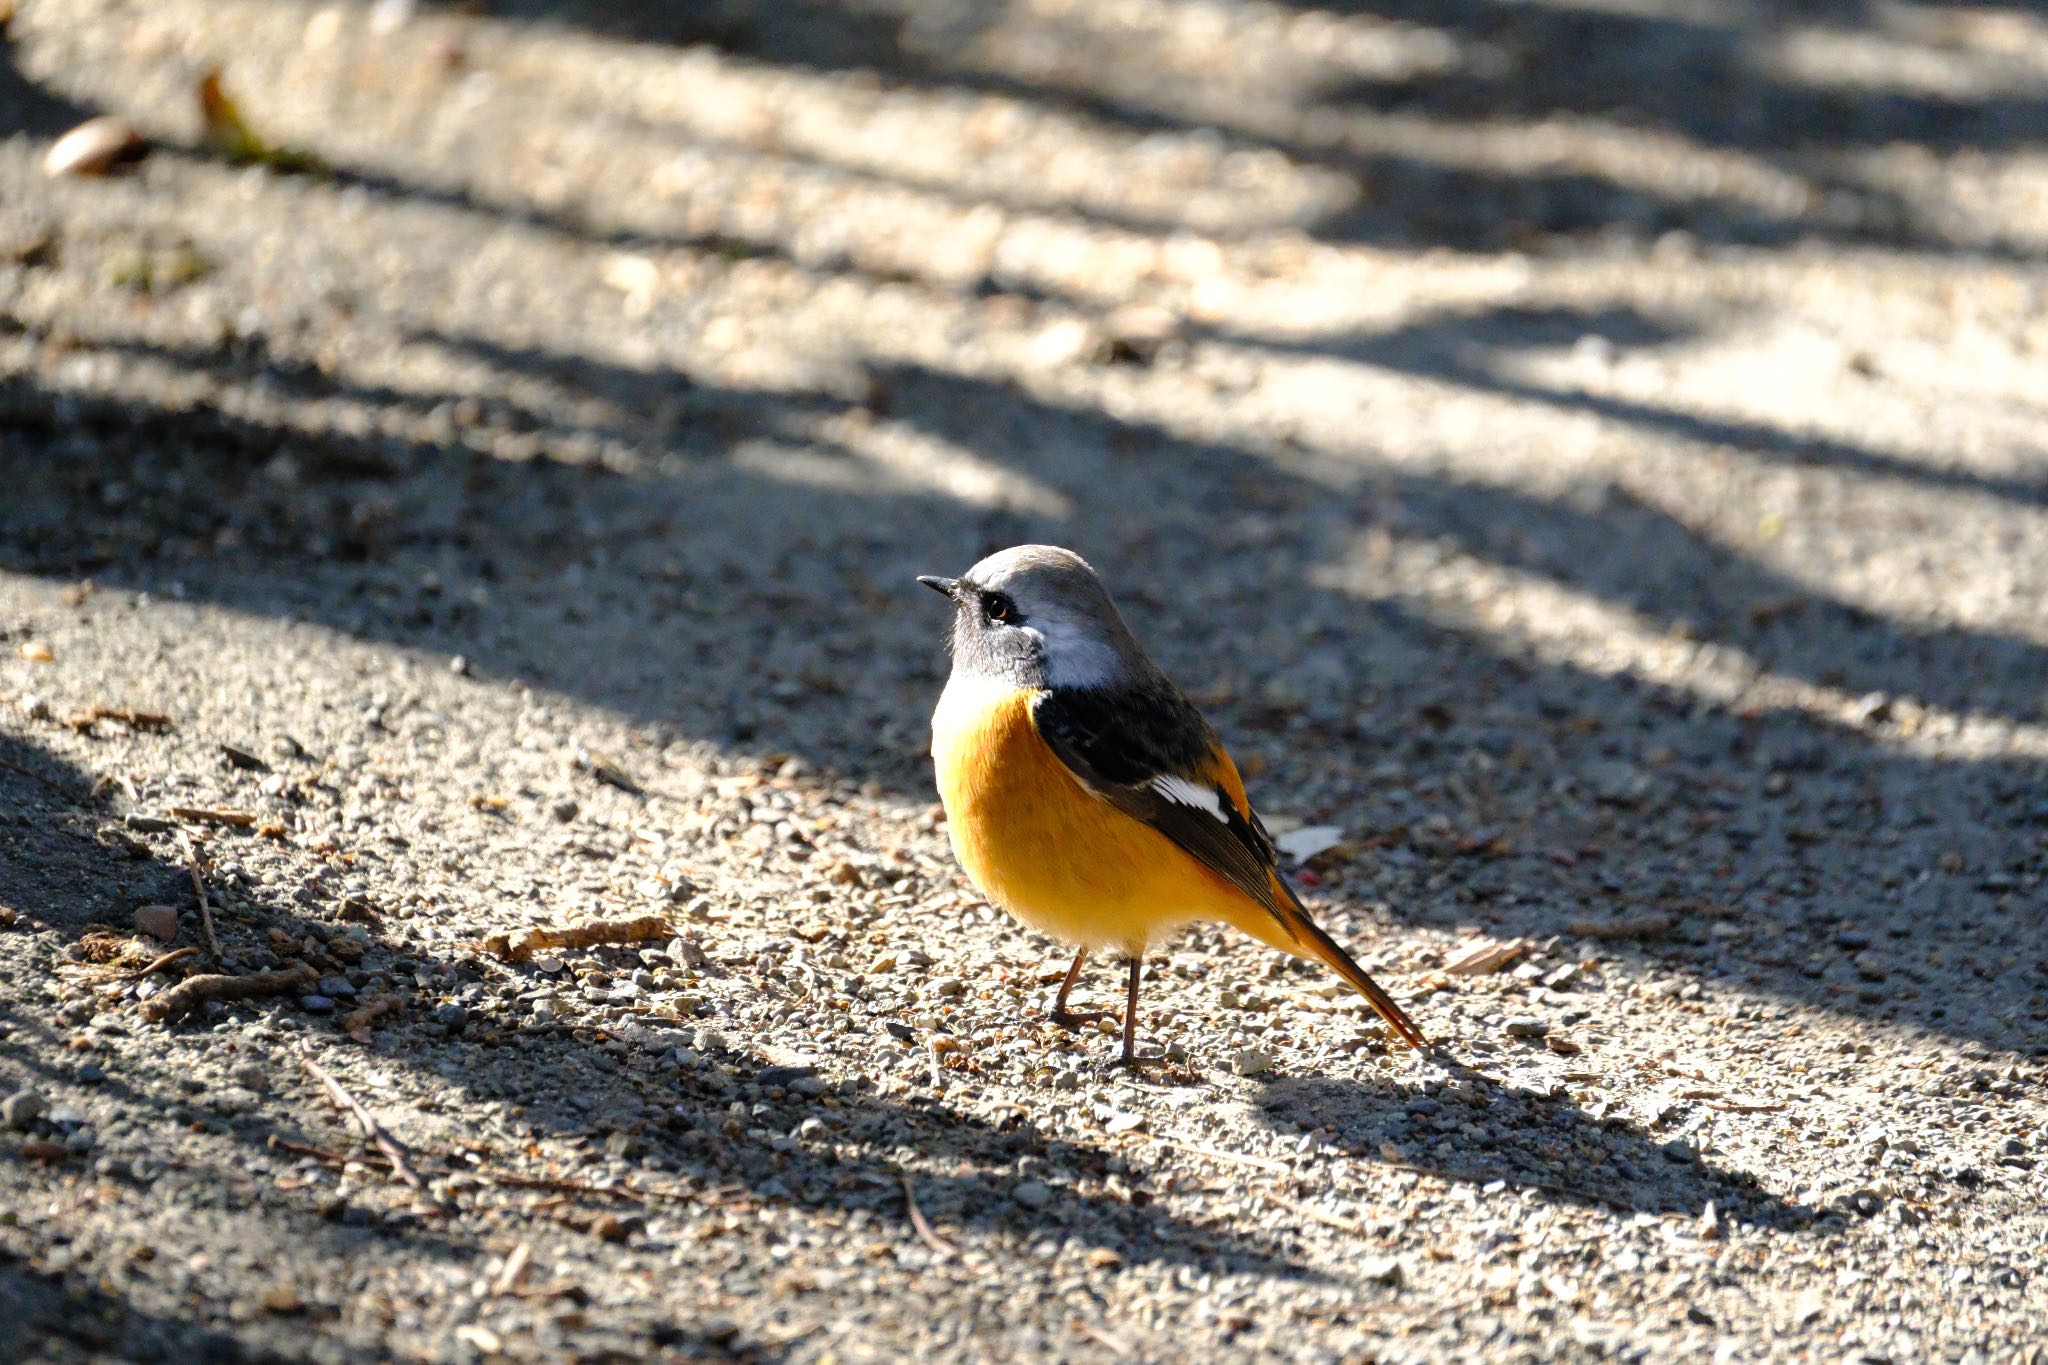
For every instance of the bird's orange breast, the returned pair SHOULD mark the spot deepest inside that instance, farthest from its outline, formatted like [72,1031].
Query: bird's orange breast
[1041,846]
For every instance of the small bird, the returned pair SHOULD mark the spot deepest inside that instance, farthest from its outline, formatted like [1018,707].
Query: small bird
[1088,797]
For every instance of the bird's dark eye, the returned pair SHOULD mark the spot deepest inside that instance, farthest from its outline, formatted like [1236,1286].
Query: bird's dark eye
[998,607]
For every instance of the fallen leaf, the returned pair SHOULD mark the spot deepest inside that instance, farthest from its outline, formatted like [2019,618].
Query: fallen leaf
[1309,840]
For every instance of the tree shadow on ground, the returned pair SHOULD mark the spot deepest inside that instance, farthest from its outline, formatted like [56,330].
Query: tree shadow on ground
[1708,76]
[1815,827]
[1475,349]
[595,1091]
[1470,1130]
[26,107]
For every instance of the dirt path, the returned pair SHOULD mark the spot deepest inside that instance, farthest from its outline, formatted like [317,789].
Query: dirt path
[1590,456]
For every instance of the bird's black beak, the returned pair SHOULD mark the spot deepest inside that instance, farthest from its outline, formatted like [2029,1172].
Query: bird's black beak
[949,586]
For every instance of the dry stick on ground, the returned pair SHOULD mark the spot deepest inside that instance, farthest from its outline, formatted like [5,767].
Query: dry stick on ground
[1328,1220]
[512,1181]
[195,991]
[917,1220]
[372,1010]
[192,859]
[514,1268]
[1117,1346]
[1632,926]
[157,964]
[201,815]
[146,722]
[1218,1154]
[644,929]
[401,1161]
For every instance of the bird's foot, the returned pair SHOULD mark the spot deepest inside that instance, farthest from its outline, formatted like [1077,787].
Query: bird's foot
[1071,1020]
[1130,1062]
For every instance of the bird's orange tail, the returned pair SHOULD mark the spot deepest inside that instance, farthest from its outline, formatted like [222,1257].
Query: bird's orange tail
[1311,941]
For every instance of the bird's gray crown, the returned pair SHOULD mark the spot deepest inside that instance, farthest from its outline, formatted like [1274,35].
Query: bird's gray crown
[1067,632]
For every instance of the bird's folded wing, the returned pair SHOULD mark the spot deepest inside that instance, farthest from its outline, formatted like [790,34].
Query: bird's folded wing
[1149,753]
[1152,756]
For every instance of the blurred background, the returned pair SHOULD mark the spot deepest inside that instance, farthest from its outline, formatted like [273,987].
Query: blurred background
[1528,426]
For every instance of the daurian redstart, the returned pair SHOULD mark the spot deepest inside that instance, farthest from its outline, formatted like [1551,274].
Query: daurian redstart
[1086,796]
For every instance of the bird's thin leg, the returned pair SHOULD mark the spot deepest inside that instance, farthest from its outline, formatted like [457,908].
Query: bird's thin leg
[1129,1056]
[1065,1017]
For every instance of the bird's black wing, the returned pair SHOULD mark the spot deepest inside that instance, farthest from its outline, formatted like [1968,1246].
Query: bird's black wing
[1148,752]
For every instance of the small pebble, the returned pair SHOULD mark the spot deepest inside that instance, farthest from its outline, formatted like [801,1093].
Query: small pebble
[23,1108]
[160,922]
[1527,1026]
[1250,1062]
[1032,1194]
[316,1004]
[450,1015]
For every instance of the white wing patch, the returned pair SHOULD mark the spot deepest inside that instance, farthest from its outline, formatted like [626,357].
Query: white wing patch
[1188,794]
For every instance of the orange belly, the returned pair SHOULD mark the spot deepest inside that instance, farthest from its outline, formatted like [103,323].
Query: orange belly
[1040,846]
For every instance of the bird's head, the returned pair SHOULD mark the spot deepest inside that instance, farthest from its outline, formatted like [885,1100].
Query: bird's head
[1038,616]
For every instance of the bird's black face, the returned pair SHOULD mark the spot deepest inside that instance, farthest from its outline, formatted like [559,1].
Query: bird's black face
[992,638]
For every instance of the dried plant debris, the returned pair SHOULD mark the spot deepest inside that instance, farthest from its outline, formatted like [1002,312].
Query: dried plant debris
[597,933]
[195,991]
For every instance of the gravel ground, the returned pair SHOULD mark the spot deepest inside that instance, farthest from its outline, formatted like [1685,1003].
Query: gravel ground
[1589,456]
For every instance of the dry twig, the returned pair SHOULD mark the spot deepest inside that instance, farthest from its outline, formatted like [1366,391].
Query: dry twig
[1485,957]
[203,815]
[393,1149]
[1328,1220]
[520,947]
[514,1268]
[917,1219]
[1632,926]
[144,722]
[1118,1347]
[195,991]
[157,964]
[1218,1154]
[192,861]
[371,1011]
